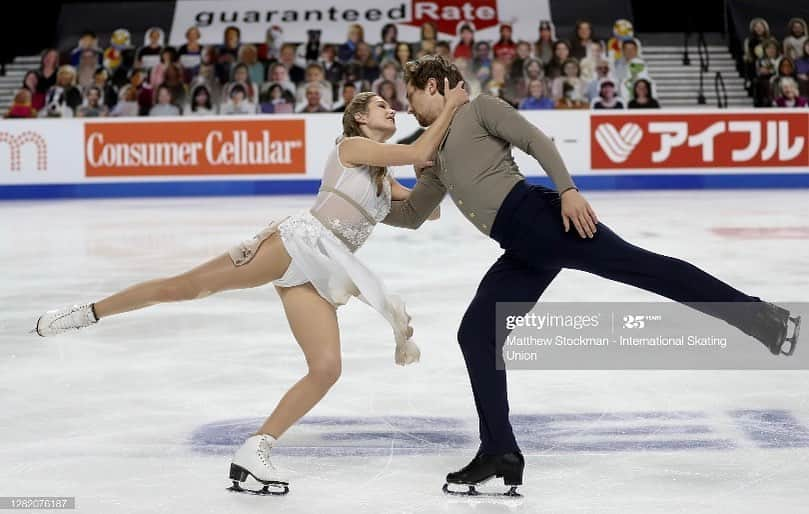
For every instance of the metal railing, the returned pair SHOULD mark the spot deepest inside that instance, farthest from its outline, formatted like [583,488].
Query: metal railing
[704,65]
[704,62]
[721,91]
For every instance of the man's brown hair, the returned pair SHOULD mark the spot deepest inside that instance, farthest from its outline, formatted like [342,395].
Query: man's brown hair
[418,72]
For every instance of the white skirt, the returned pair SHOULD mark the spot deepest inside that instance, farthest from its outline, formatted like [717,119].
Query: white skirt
[320,258]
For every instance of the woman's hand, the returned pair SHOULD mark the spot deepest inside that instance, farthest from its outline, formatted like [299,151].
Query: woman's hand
[419,167]
[456,96]
[407,353]
[576,209]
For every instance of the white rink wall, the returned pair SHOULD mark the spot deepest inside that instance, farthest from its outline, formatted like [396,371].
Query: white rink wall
[286,154]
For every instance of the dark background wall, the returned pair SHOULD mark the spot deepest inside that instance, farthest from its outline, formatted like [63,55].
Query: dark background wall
[26,26]
[678,16]
[601,13]
[776,12]
[105,17]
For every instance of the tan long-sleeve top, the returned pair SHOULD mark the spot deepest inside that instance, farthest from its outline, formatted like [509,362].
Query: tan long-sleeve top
[475,166]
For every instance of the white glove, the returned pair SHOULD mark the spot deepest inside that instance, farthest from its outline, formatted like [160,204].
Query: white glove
[407,353]
[406,350]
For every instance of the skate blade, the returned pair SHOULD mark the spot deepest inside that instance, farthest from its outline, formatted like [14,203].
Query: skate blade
[793,341]
[270,489]
[472,492]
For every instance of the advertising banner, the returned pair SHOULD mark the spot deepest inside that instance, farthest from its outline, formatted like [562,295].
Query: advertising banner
[40,151]
[255,17]
[287,153]
[753,139]
[198,147]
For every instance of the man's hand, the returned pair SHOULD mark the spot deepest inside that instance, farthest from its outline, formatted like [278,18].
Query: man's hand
[576,209]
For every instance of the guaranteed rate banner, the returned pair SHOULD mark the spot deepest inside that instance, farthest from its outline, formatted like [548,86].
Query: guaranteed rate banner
[295,19]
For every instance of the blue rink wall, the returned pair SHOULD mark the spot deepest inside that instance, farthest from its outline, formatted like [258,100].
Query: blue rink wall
[310,186]
[664,150]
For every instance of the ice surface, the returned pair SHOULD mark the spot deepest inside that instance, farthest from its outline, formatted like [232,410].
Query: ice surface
[141,412]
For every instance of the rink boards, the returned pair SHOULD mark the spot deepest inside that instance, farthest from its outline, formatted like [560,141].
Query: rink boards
[208,156]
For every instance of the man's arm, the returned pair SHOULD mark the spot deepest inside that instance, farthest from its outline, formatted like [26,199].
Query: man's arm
[501,120]
[420,204]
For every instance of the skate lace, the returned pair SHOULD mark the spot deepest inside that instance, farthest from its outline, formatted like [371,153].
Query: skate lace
[263,451]
[73,318]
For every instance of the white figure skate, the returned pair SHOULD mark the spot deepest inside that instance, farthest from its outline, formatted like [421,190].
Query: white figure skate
[253,460]
[62,320]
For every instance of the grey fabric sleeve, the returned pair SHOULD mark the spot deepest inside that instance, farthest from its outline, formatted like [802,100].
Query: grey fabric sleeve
[423,199]
[503,121]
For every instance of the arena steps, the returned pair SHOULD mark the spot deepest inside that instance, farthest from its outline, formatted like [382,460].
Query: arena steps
[678,85]
[12,80]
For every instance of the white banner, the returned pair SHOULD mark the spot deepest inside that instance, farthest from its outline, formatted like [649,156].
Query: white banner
[67,151]
[295,147]
[295,18]
[41,152]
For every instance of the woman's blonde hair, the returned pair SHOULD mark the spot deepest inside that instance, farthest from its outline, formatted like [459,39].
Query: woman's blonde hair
[352,128]
[356,27]
[66,69]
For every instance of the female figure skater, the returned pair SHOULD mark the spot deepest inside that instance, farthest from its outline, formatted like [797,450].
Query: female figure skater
[309,257]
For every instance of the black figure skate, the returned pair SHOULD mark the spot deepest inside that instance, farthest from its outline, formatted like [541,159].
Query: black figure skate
[770,325]
[508,466]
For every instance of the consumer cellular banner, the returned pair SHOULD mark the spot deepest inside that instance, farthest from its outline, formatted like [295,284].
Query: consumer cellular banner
[295,18]
[196,147]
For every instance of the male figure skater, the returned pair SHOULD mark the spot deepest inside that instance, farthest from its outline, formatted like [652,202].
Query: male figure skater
[532,224]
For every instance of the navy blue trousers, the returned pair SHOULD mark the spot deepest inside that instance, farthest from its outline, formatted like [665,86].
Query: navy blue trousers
[529,228]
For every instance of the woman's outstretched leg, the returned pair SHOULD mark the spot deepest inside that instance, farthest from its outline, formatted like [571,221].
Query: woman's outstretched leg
[219,274]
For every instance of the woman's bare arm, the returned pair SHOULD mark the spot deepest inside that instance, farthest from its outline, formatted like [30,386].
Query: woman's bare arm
[397,190]
[363,151]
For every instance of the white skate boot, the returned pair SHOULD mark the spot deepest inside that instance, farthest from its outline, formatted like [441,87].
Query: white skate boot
[253,460]
[62,320]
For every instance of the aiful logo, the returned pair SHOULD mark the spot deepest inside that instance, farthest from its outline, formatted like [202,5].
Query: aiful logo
[17,142]
[618,145]
[693,140]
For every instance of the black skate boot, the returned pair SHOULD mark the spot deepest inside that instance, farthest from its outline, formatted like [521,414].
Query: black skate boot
[770,325]
[508,466]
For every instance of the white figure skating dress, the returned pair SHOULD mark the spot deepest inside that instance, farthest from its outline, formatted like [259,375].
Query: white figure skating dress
[322,242]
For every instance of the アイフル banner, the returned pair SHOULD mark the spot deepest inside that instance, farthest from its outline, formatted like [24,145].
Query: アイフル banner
[763,140]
